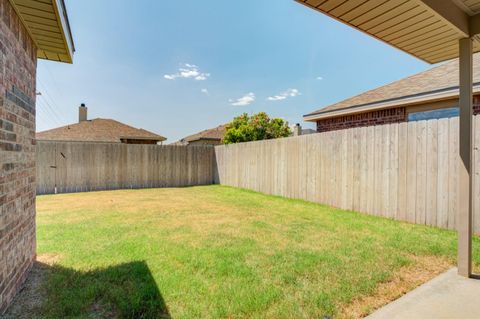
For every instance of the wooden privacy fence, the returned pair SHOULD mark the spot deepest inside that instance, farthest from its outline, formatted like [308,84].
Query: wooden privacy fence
[406,171]
[75,166]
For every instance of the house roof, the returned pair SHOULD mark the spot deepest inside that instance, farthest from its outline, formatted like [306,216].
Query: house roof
[438,83]
[47,23]
[97,130]
[215,133]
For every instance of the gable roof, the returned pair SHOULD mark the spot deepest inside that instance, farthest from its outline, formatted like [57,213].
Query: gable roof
[97,130]
[215,133]
[438,83]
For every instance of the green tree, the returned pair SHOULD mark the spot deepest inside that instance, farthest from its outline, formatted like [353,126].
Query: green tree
[257,127]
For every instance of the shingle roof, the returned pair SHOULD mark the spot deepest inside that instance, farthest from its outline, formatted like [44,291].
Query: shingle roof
[216,133]
[97,130]
[439,78]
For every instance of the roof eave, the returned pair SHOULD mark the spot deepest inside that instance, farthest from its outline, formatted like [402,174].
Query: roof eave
[144,138]
[62,16]
[60,12]
[399,102]
[203,139]
[362,31]
[414,20]
[67,31]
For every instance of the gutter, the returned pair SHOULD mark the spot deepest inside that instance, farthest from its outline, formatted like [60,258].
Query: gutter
[143,138]
[204,139]
[67,22]
[64,24]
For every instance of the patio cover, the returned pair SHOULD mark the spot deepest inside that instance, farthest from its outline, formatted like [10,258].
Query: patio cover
[433,31]
[426,29]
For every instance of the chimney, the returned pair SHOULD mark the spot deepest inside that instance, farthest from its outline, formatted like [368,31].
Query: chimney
[82,113]
[297,130]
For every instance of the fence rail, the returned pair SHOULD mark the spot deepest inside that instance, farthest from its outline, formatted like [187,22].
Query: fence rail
[406,171]
[75,166]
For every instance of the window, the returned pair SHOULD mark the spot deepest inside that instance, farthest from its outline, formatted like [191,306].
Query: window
[434,114]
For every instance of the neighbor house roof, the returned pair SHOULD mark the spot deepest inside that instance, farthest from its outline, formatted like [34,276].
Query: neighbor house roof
[216,133]
[438,83]
[47,23]
[98,130]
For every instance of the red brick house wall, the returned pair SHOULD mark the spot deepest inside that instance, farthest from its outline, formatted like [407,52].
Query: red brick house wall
[395,115]
[17,153]
[476,104]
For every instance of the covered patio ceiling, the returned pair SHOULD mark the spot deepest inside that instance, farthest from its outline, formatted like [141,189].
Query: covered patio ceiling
[427,29]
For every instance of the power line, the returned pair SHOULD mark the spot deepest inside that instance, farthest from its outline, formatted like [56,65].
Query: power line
[40,118]
[47,119]
[46,94]
[54,81]
[51,112]
[50,101]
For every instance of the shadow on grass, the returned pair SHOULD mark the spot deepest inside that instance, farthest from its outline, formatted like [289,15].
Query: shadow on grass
[122,291]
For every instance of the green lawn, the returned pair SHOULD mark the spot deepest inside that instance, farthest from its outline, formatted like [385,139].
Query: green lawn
[220,252]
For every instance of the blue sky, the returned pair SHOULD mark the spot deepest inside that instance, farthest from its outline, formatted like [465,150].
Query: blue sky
[178,67]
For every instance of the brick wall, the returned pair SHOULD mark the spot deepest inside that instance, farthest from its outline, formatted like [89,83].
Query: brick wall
[476,104]
[395,115]
[363,119]
[17,153]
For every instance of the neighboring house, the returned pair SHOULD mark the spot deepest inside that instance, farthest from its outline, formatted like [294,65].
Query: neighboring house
[99,130]
[429,94]
[213,136]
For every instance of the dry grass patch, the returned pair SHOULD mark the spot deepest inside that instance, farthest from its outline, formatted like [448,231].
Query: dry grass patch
[406,279]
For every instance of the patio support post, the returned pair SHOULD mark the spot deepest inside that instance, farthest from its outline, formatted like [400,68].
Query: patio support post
[465,205]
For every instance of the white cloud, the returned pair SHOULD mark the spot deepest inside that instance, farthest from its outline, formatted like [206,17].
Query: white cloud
[188,71]
[247,99]
[284,95]
[202,77]
[319,78]
[205,91]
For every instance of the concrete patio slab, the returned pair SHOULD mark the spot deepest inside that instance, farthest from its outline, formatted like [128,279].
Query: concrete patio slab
[444,297]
